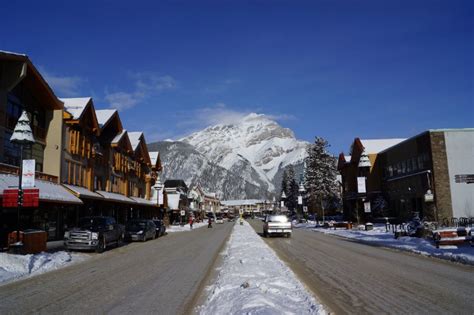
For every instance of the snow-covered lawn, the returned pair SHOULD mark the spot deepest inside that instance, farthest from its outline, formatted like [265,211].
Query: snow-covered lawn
[462,253]
[15,267]
[253,280]
[184,228]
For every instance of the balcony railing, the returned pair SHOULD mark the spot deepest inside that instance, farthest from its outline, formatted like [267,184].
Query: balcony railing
[14,170]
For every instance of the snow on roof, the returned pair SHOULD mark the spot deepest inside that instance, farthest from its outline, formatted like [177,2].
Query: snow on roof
[48,191]
[372,146]
[75,106]
[104,115]
[154,156]
[12,53]
[347,158]
[119,136]
[114,196]
[83,192]
[143,201]
[135,138]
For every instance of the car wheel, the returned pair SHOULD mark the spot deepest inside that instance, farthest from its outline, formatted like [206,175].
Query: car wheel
[120,240]
[101,246]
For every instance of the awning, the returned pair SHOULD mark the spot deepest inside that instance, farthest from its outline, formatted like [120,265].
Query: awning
[48,191]
[82,192]
[115,197]
[144,202]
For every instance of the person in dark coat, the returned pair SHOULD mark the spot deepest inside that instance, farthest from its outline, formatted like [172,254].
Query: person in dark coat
[209,222]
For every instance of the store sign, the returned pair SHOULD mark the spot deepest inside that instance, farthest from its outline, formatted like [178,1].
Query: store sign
[367,208]
[183,213]
[28,174]
[429,197]
[361,185]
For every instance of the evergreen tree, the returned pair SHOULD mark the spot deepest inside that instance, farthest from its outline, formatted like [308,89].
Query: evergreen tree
[320,176]
[292,189]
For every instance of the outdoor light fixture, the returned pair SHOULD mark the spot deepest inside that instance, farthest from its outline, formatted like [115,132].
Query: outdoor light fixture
[22,135]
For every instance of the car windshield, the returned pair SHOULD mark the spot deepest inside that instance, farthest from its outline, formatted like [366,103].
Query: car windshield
[135,226]
[95,223]
[277,218]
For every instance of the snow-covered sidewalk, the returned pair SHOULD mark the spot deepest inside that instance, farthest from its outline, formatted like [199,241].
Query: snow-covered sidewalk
[378,236]
[15,267]
[253,280]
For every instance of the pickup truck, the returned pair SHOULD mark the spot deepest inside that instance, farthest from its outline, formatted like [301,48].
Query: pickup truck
[276,225]
[94,233]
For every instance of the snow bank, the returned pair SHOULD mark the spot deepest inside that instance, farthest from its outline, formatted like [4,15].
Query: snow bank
[14,267]
[185,228]
[462,253]
[253,280]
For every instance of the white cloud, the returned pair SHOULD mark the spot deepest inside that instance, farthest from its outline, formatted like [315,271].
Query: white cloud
[122,100]
[63,86]
[219,113]
[146,85]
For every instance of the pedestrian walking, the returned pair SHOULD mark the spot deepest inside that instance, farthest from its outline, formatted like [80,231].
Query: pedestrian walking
[209,223]
[191,221]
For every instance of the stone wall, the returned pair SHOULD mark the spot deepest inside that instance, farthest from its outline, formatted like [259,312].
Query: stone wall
[440,176]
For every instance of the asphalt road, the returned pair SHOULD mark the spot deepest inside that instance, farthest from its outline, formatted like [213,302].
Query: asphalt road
[163,276]
[350,277]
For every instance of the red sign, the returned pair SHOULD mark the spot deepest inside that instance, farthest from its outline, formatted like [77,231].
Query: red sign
[30,198]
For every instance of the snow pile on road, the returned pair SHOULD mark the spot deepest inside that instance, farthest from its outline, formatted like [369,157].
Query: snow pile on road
[13,267]
[462,253]
[184,228]
[253,280]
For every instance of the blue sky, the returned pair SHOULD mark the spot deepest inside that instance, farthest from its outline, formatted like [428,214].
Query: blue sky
[336,69]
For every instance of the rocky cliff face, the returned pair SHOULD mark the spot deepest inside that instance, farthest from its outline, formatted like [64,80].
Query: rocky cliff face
[242,160]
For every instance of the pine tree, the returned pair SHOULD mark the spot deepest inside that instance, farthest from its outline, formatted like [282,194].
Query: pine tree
[320,176]
[292,189]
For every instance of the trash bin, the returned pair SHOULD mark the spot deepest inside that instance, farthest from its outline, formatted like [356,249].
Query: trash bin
[34,241]
[369,226]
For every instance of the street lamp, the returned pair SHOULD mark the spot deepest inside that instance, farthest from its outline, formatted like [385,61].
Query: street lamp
[22,135]
[301,190]
[282,202]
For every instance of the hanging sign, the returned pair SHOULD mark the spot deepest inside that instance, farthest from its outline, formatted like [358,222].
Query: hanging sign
[28,174]
[282,204]
[160,197]
[305,209]
[300,200]
[183,213]
[367,207]
[361,185]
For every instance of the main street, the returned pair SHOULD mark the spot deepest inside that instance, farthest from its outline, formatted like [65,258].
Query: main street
[349,277]
[161,276]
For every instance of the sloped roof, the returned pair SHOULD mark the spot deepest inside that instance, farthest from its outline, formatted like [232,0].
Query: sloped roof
[135,138]
[154,157]
[76,106]
[372,146]
[119,137]
[104,115]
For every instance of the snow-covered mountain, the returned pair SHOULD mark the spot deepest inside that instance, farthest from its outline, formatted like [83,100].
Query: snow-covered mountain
[181,161]
[241,160]
[257,147]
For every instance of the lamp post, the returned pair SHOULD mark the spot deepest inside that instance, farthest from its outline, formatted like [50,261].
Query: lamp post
[22,135]
[282,202]
[301,191]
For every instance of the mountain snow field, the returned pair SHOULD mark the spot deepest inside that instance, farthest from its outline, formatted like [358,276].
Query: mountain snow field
[253,280]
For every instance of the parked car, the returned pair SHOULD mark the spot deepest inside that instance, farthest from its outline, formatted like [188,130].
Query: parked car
[94,233]
[219,218]
[140,230]
[160,228]
[277,225]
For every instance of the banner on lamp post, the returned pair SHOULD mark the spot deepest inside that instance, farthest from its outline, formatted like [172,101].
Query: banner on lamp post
[28,174]
[282,204]
[367,208]
[361,185]
[300,200]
